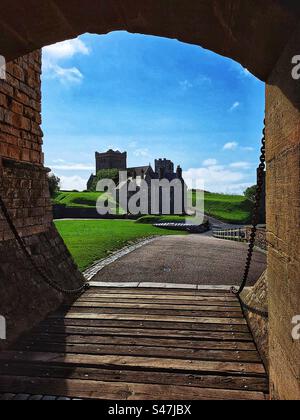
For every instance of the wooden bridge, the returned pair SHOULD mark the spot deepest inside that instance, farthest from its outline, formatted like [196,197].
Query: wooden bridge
[138,344]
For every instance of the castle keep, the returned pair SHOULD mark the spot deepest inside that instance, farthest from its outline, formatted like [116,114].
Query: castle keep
[163,169]
[111,160]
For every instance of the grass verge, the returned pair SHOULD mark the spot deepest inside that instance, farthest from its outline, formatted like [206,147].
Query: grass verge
[91,240]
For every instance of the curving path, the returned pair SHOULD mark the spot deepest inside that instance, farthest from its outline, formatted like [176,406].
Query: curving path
[192,259]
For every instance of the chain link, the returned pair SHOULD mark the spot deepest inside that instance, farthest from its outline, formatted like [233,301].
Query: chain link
[46,279]
[255,221]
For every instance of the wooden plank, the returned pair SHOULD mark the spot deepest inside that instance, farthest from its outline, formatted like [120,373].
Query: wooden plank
[139,341]
[234,305]
[7,397]
[154,305]
[148,333]
[202,381]
[161,291]
[144,351]
[165,364]
[121,391]
[145,324]
[179,296]
[156,318]
[152,311]
[123,344]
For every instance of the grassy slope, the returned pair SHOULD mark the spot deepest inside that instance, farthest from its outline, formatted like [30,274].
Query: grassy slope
[77,199]
[91,240]
[229,208]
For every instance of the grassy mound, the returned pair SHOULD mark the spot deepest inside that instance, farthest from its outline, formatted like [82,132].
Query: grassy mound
[77,199]
[228,208]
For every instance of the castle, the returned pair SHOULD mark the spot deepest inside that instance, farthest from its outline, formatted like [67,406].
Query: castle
[163,169]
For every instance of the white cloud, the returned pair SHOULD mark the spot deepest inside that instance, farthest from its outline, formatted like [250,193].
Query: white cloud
[185,84]
[133,144]
[248,149]
[240,165]
[199,81]
[210,162]
[142,153]
[233,145]
[70,75]
[58,161]
[65,50]
[73,167]
[241,71]
[245,72]
[73,183]
[234,106]
[217,179]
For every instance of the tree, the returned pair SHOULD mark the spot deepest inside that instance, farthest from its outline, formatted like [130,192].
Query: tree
[54,184]
[112,174]
[250,193]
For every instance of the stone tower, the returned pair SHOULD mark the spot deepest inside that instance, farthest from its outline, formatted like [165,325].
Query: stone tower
[111,160]
[164,167]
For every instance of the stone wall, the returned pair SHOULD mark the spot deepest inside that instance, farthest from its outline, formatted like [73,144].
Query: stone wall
[283,221]
[25,299]
[261,237]
[257,297]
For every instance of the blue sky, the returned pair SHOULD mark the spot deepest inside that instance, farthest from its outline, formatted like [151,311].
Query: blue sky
[153,97]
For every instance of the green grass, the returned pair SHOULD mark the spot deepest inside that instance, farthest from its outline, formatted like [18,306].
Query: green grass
[83,200]
[89,241]
[77,199]
[228,208]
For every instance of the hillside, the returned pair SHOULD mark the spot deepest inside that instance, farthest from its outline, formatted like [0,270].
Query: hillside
[77,199]
[228,208]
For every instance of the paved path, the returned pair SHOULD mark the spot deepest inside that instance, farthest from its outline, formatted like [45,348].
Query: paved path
[192,259]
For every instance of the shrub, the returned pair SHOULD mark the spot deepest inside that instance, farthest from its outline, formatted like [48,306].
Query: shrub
[54,184]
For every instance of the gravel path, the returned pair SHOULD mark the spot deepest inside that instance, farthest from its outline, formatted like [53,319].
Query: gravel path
[192,259]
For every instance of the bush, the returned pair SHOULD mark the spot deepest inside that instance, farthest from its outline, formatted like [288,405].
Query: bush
[250,193]
[54,184]
[112,174]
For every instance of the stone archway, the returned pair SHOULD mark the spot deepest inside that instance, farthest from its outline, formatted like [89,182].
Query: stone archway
[262,36]
[252,32]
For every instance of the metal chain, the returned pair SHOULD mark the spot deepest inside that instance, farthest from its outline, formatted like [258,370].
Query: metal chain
[255,221]
[43,275]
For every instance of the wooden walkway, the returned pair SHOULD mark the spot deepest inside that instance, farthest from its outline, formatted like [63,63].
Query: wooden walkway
[131,344]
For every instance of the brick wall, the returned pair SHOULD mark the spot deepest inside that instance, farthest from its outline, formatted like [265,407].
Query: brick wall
[20,110]
[25,299]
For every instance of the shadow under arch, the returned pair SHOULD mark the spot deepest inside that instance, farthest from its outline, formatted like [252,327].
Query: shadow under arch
[236,29]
